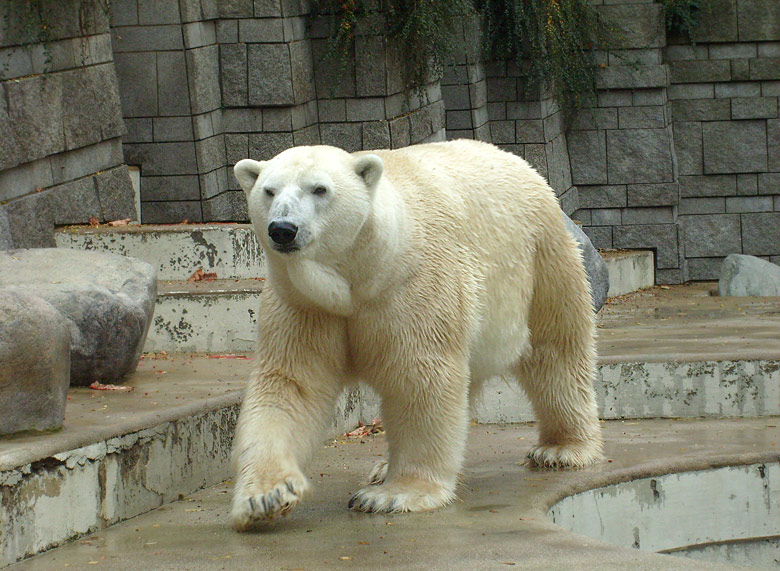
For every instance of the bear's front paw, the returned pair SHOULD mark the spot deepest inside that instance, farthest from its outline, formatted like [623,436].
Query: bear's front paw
[412,496]
[253,505]
[556,456]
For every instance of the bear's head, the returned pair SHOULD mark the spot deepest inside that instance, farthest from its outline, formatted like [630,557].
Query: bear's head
[310,201]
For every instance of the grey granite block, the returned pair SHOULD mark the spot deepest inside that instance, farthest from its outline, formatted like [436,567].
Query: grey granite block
[227,32]
[596,118]
[635,77]
[261,30]
[773,144]
[365,109]
[376,135]
[717,22]
[733,51]
[203,75]
[754,108]
[747,184]
[147,38]
[661,237]
[743,275]
[708,185]
[163,158]
[270,75]
[651,117]
[758,20]
[634,26]
[711,235]
[739,204]
[170,129]
[233,62]
[371,71]
[734,146]
[124,13]
[307,136]
[602,196]
[347,136]
[699,71]
[737,89]
[210,153]
[691,91]
[666,194]
[660,215]
[606,216]
[172,85]
[716,205]
[600,236]
[115,194]
[138,131]
[701,110]
[558,165]
[171,188]
[228,206]
[171,212]
[639,156]
[688,145]
[74,202]
[769,183]
[588,157]
[242,120]
[235,8]
[85,161]
[399,132]
[764,68]
[761,233]
[264,146]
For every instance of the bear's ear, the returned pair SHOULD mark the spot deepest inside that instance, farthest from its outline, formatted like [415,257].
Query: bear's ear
[247,171]
[370,169]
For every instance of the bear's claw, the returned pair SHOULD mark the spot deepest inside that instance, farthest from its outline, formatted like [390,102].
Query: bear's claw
[378,474]
[389,498]
[251,510]
[565,456]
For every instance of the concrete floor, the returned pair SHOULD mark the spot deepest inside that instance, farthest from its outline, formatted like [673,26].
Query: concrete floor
[499,521]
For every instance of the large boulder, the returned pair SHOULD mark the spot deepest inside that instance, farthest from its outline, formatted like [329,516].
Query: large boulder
[598,275]
[34,363]
[743,275]
[107,299]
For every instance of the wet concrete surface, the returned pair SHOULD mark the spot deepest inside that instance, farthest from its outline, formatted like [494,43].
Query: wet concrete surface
[687,323]
[498,522]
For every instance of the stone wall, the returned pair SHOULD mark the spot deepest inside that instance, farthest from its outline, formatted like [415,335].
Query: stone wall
[60,121]
[682,152]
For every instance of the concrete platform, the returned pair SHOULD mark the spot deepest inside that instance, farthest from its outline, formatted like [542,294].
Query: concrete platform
[499,521]
[665,352]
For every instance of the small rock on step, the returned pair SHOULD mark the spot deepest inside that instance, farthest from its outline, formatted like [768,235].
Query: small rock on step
[743,275]
[598,275]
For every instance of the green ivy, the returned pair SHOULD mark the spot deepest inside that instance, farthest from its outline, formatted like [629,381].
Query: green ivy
[682,16]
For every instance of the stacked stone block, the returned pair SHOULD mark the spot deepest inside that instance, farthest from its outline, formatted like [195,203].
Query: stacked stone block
[724,102]
[60,122]
[527,121]
[362,99]
[621,148]
[167,60]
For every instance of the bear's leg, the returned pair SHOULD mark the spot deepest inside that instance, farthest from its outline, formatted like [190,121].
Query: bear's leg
[426,424]
[565,405]
[281,421]
[558,372]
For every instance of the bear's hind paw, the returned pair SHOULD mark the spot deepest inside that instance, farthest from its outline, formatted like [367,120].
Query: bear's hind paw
[565,456]
[390,498]
[250,510]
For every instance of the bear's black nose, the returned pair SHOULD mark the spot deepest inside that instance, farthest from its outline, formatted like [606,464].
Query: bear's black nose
[283,233]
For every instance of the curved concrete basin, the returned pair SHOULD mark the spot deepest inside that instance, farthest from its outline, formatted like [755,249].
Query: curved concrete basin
[727,515]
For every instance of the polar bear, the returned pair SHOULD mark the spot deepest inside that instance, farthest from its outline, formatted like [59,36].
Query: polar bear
[421,271]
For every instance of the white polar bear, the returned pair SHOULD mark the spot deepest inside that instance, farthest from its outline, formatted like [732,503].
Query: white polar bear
[421,271]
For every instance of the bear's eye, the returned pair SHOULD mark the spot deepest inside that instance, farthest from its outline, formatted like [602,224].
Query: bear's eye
[268,192]
[319,190]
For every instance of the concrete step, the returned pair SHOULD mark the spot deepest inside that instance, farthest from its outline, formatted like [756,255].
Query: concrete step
[218,316]
[176,250]
[629,270]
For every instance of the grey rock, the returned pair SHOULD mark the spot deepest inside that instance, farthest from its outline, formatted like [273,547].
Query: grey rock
[108,301]
[598,276]
[743,275]
[35,353]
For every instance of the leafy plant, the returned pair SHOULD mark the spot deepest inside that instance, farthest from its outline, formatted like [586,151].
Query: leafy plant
[423,29]
[552,40]
[682,16]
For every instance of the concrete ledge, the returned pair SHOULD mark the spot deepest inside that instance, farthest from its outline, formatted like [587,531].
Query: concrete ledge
[629,270]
